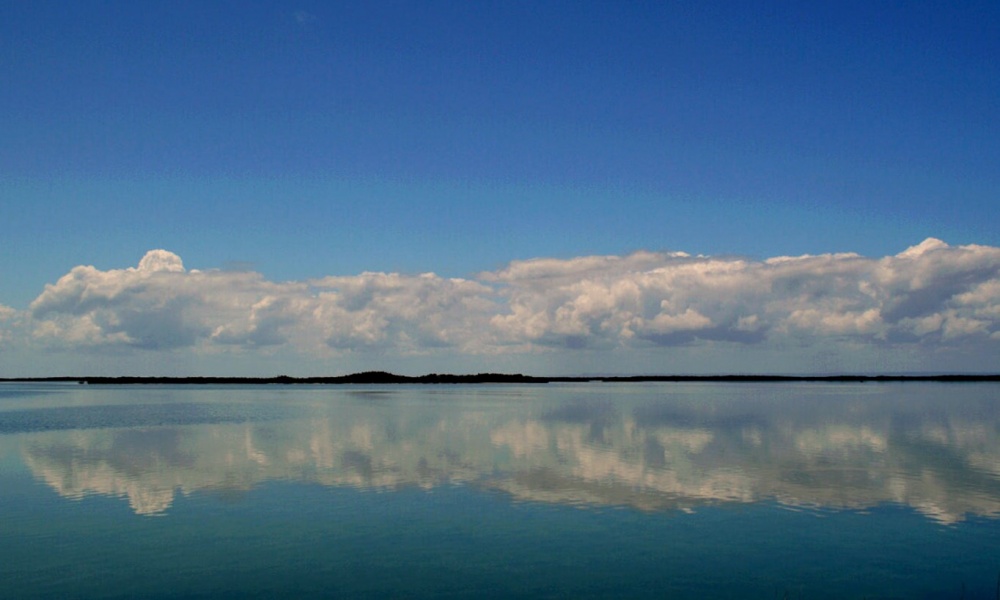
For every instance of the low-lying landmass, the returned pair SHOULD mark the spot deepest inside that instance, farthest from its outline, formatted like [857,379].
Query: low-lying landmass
[382,377]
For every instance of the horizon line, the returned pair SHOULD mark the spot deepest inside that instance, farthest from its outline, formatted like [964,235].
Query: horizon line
[384,377]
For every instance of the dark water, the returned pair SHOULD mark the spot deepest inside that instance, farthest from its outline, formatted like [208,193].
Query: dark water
[693,490]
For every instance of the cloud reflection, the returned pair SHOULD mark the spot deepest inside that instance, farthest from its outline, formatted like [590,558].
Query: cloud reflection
[828,450]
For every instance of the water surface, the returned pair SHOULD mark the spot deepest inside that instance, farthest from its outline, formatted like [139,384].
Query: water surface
[665,490]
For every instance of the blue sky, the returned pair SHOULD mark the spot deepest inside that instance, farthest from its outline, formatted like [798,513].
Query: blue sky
[299,141]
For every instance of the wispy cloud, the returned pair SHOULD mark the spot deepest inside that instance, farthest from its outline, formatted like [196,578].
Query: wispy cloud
[303,18]
[7,317]
[930,295]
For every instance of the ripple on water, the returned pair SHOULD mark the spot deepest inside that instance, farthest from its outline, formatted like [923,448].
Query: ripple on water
[134,415]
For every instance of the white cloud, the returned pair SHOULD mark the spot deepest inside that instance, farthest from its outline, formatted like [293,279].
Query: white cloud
[161,260]
[7,318]
[405,312]
[670,299]
[930,295]
[158,305]
[161,306]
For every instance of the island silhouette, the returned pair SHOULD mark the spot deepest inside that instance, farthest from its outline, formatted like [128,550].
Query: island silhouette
[384,377]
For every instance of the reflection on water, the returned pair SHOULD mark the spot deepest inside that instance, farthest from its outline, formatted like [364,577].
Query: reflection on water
[656,447]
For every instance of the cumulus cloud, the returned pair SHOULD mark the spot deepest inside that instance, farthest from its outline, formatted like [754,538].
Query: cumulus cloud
[931,294]
[408,312]
[160,305]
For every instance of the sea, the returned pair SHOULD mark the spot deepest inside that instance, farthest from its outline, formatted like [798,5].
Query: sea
[696,490]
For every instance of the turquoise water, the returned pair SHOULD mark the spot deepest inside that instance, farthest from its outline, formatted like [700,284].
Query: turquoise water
[693,490]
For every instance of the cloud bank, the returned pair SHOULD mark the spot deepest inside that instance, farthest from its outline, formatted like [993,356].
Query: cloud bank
[931,295]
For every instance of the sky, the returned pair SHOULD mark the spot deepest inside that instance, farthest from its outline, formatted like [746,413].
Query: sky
[313,188]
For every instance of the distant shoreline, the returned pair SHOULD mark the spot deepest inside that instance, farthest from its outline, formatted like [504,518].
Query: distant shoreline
[382,377]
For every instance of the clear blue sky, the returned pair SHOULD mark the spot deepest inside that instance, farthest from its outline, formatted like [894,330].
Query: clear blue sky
[312,139]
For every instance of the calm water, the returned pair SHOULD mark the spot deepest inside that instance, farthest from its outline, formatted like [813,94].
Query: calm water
[548,491]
